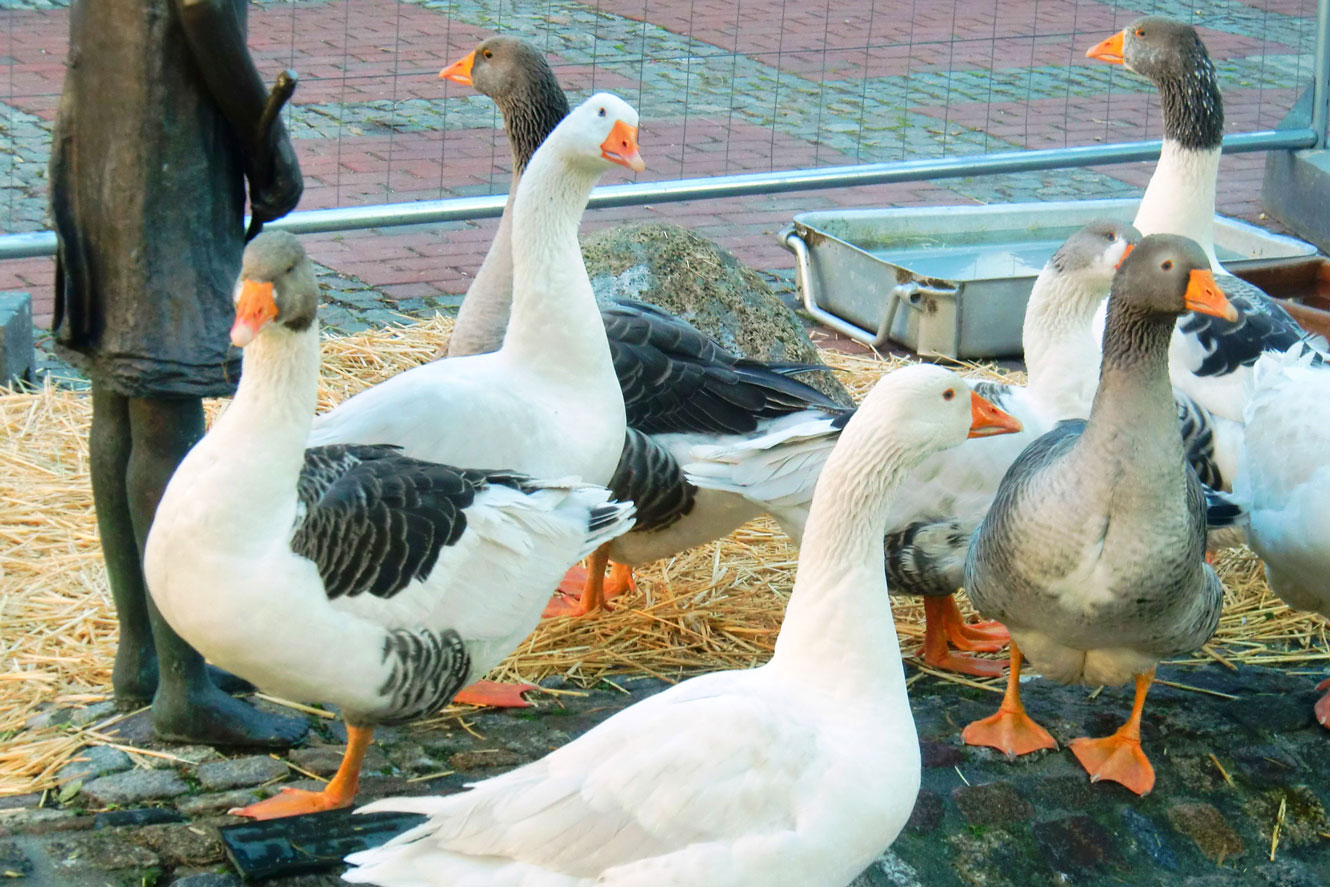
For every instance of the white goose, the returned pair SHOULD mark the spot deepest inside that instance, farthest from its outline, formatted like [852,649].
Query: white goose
[1210,358]
[348,574]
[1285,483]
[548,402]
[946,496]
[680,387]
[801,771]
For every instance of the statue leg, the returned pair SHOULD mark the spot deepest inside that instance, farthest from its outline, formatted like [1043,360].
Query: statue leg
[134,677]
[188,705]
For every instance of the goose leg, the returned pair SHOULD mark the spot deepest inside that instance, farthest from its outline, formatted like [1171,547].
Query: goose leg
[937,652]
[981,637]
[1119,757]
[1322,709]
[495,695]
[338,793]
[1011,730]
[593,591]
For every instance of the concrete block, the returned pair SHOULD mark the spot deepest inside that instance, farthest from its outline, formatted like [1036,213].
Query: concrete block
[17,360]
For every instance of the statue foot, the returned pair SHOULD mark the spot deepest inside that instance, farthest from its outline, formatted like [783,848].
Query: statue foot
[134,679]
[209,716]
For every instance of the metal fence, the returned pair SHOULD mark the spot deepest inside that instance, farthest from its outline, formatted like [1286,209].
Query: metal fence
[736,96]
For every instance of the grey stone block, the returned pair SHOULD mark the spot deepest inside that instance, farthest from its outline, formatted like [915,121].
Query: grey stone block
[17,358]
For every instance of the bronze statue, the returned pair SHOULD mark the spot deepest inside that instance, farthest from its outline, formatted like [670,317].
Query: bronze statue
[161,123]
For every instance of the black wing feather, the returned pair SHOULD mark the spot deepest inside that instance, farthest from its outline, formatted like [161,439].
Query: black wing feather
[676,379]
[374,520]
[1262,325]
[654,480]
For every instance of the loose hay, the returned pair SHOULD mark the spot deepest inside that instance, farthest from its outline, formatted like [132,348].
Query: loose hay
[718,606]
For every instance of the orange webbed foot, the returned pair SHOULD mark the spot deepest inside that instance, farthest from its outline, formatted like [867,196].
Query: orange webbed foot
[1117,758]
[592,591]
[962,664]
[294,802]
[573,581]
[1010,731]
[495,694]
[980,637]
[1322,708]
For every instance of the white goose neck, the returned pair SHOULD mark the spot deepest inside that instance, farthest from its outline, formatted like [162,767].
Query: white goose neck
[838,625]
[1061,354]
[1180,198]
[264,430]
[554,317]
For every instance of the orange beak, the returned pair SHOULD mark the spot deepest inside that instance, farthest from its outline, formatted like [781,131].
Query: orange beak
[1109,50]
[987,420]
[1203,295]
[1126,252]
[460,70]
[255,307]
[620,147]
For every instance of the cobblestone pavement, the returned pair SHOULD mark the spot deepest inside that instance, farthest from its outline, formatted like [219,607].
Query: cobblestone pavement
[722,87]
[1234,754]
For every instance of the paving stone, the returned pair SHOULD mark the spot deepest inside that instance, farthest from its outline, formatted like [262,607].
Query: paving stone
[323,760]
[1076,845]
[42,820]
[137,816]
[238,772]
[207,879]
[94,761]
[181,844]
[993,803]
[220,802]
[134,787]
[14,863]
[15,802]
[1208,828]
[89,714]
[105,850]
[939,754]
[485,758]
[1150,838]
[927,814]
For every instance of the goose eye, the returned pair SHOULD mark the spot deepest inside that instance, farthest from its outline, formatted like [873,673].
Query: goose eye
[1140,32]
[1167,265]
[488,54]
[1112,238]
[601,112]
[949,394]
[292,268]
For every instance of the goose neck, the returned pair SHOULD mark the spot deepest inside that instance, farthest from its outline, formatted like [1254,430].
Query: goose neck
[838,626]
[482,318]
[554,312]
[1057,334]
[1135,398]
[264,431]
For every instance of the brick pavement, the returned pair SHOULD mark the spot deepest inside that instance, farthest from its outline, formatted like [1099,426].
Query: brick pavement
[722,87]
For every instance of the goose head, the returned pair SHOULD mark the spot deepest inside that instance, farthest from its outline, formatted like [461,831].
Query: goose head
[499,67]
[1091,256]
[1166,275]
[1156,47]
[276,288]
[926,408]
[600,131]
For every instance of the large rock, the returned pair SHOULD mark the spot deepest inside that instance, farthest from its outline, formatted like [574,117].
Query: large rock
[691,277]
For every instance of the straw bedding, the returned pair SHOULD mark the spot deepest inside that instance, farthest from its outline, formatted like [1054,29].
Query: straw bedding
[716,607]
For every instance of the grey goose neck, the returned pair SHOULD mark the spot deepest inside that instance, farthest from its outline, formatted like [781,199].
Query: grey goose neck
[1172,55]
[530,113]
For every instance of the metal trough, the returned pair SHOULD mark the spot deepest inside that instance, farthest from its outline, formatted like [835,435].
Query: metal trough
[953,280]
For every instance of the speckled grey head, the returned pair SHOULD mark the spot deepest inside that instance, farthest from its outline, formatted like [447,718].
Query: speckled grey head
[1155,276]
[1173,57]
[276,285]
[517,77]
[1095,251]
